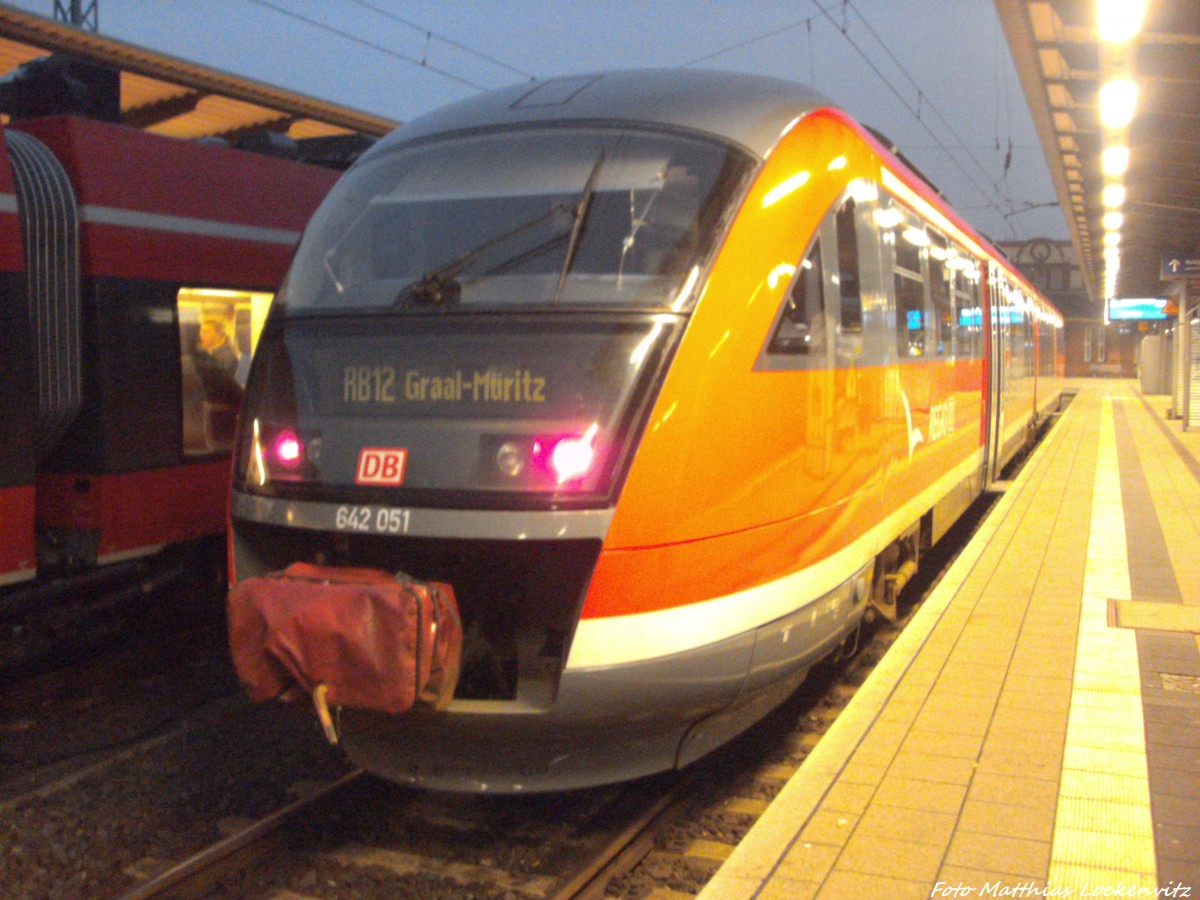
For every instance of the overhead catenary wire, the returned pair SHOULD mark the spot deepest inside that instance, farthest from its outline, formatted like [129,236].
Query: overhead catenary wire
[990,193]
[922,97]
[899,95]
[266,4]
[431,35]
[742,44]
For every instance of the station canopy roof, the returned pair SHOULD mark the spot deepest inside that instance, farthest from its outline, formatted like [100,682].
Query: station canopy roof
[173,97]
[1063,63]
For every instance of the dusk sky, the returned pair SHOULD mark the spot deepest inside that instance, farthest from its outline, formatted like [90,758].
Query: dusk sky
[933,75]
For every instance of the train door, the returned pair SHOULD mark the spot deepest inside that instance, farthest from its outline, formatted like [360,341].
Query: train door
[853,228]
[998,352]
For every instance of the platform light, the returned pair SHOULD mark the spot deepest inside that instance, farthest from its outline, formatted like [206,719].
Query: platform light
[781,274]
[258,463]
[863,190]
[1114,160]
[1113,196]
[1113,221]
[888,217]
[916,236]
[1112,239]
[1118,100]
[643,347]
[787,186]
[686,291]
[1110,283]
[1119,21]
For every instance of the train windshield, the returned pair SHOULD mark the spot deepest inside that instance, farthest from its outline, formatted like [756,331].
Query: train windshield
[521,410]
[544,218]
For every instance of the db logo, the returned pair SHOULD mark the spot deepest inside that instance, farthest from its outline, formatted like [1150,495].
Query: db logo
[381,465]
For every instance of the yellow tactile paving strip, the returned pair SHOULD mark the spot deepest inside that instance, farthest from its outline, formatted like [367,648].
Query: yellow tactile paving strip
[1101,836]
[979,755]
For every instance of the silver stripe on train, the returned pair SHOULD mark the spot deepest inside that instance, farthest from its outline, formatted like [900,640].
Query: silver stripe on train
[132,218]
[397,521]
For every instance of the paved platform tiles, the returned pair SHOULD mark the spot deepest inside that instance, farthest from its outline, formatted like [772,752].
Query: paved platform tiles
[1035,731]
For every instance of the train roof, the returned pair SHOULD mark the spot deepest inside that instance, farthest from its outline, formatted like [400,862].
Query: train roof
[749,110]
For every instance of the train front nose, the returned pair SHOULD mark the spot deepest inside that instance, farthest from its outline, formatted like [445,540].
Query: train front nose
[488,457]
[452,383]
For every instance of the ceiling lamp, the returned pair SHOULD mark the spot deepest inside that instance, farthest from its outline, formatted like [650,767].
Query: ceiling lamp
[1119,21]
[1118,100]
[1114,160]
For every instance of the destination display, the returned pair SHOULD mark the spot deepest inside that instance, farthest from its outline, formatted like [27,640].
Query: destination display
[416,404]
[385,384]
[1124,309]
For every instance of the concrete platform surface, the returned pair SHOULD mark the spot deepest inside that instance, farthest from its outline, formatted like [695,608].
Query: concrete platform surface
[1035,731]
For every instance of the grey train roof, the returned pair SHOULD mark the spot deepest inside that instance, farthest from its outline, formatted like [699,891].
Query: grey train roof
[749,110]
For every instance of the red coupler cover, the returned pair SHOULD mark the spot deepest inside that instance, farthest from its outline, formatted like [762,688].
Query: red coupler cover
[375,640]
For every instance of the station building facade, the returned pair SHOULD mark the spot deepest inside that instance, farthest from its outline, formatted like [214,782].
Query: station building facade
[1093,346]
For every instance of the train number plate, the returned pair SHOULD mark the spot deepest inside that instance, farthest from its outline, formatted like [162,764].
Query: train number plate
[372,519]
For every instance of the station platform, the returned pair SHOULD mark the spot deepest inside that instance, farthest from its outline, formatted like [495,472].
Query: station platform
[1035,730]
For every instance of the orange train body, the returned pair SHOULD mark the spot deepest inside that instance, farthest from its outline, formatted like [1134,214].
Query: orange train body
[716,371]
[780,469]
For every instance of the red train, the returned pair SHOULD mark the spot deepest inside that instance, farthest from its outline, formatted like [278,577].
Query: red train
[121,252]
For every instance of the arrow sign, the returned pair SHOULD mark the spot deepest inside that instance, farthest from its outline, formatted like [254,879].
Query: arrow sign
[1179,265]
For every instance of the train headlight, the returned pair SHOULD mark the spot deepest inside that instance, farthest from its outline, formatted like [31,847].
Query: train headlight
[511,459]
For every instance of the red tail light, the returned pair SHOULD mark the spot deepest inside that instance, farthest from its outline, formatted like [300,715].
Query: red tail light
[288,449]
[572,457]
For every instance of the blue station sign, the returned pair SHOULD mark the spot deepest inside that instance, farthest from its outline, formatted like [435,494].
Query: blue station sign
[1180,265]
[1124,309]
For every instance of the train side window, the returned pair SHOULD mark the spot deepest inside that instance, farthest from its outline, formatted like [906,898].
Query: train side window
[801,328]
[939,292]
[969,334]
[218,330]
[910,293]
[848,277]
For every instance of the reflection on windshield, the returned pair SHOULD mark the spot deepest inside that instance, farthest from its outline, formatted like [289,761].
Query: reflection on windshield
[583,218]
[440,285]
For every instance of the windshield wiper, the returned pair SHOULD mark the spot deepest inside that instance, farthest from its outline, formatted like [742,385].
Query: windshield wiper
[582,207]
[441,285]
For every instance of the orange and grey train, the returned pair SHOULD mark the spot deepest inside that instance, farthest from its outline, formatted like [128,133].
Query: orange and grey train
[670,374]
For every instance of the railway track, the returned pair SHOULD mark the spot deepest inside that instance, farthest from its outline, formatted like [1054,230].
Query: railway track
[662,837]
[116,825]
[216,776]
[361,837]
[200,874]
